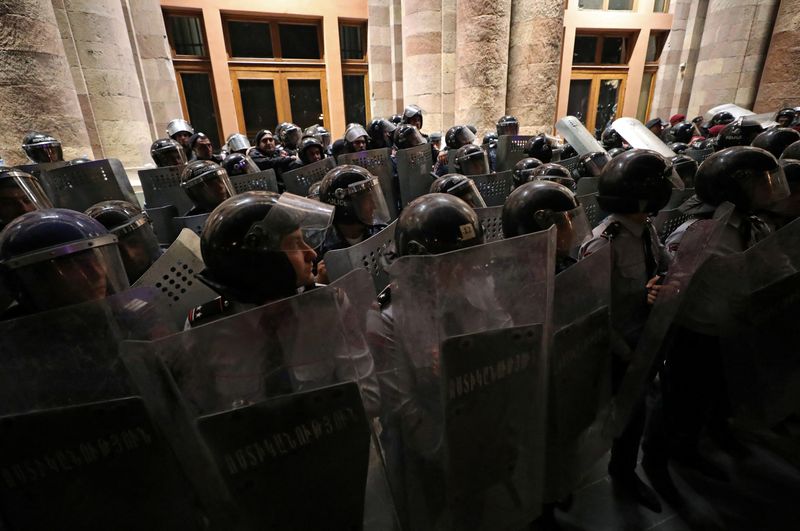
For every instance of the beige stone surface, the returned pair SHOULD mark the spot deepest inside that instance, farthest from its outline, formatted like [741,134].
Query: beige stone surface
[36,87]
[779,80]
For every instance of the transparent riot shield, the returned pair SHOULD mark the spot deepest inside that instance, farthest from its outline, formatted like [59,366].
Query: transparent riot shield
[379,164]
[298,181]
[571,164]
[578,136]
[640,137]
[436,419]
[679,197]
[491,219]
[80,186]
[494,187]
[193,223]
[79,448]
[510,150]
[699,155]
[580,385]
[162,187]
[373,254]
[283,397]
[174,274]
[414,166]
[260,181]
[697,246]
[593,211]
[732,108]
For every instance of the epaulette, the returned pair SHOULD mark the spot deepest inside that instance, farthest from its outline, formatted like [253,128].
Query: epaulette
[385,297]
[208,311]
[612,230]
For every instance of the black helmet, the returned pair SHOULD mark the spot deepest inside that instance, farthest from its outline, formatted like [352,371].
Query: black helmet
[721,118]
[307,143]
[638,180]
[686,168]
[792,151]
[356,194]
[42,148]
[20,193]
[740,132]
[320,133]
[490,139]
[244,244]
[749,177]
[412,113]
[592,164]
[776,139]
[539,147]
[55,257]
[380,133]
[197,137]
[239,164]
[682,132]
[785,116]
[676,147]
[460,186]
[396,119]
[523,170]
[138,245]
[353,133]
[407,136]
[289,135]
[611,138]
[437,223]
[471,160]
[206,184]
[459,135]
[313,191]
[555,172]
[167,152]
[539,205]
[507,125]
[789,207]
[567,152]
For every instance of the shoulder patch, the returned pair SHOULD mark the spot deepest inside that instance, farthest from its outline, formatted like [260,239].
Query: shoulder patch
[208,311]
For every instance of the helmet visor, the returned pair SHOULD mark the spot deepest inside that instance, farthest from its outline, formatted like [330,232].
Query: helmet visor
[467,191]
[411,138]
[289,214]
[169,156]
[139,248]
[765,188]
[211,188]
[474,163]
[43,152]
[595,163]
[463,137]
[573,228]
[368,202]
[292,137]
[20,193]
[507,128]
[569,182]
[324,138]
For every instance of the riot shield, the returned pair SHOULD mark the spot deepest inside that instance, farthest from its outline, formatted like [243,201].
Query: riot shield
[699,155]
[494,187]
[580,385]
[175,275]
[571,164]
[379,164]
[162,187]
[593,211]
[578,136]
[668,220]
[80,186]
[587,185]
[638,136]
[298,181]
[373,254]
[259,181]
[491,219]
[163,226]
[510,150]
[414,166]
[193,223]
[451,160]
[697,246]
[679,197]
[732,108]
[439,385]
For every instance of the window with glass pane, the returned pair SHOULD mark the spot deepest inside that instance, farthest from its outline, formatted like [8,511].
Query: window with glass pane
[299,41]
[653,48]
[613,51]
[607,103]
[590,4]
[660,6]
[200,104]
[355,108]
[187,35]
[644,96]
[258,105]
[305,98]
[351,41]
[585,49]
[578,102]
[249,39]
[620,5]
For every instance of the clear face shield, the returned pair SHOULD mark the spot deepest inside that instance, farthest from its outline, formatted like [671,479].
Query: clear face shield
[595,163]
[463,137]
[278,231]
[69,274]
[20,193]
[368,202]
[210,189]
[467,191]
[569,182]
[573,228]
[138,246]
[474,163]
[765,188]
[507,128]
[411,138]
[324,138]
[169,156]
[43,152]
[293,137]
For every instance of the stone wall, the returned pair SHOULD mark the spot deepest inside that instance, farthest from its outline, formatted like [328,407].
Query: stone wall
[379,44]
[779,81]
[670,78]
[422,58]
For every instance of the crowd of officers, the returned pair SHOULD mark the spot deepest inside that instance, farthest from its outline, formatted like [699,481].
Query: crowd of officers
[257,249]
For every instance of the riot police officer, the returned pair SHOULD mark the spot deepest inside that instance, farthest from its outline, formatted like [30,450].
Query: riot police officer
[611,138]
[206,184]
[592,164]
[381,133]
[239,164]
[489,143]
[309,151]
[539,147]
[523,170]
[167,152]
[322,135]
[460,186]
[20,193]
[203,149]
[557,173]
[268,156]
[456,137]
[238,143]
[289,136]
[412,115]
[356,139]
[507,125]
[181,131]
[656,126]
[682,132]
[785,117]
[407,136]
[776,139]
[471,160]
[138,245]
[41,148]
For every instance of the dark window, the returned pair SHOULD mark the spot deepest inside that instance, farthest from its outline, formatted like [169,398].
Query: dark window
[187,35]
[200,104]
[590,4]
[578,102]
[585,49]
[305,98]
[613,51]
[355,107]
[620,5]
[351,41]
[654,46]
[299,41]
[660,6]
[249,39]
[258,105]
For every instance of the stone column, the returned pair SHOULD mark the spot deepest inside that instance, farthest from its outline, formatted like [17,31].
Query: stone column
[534,63]
[156,74]
[106,63]
[448,64]
[422,59]
[482,36]
[379,45]
[732,52]
[396,25]
[36,90]
[779,87]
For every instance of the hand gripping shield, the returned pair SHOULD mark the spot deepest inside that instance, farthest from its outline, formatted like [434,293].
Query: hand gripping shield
[414,167]
[463,427]
[510,150]
[379,163]
[283,396]
[578,136]
[298,181]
